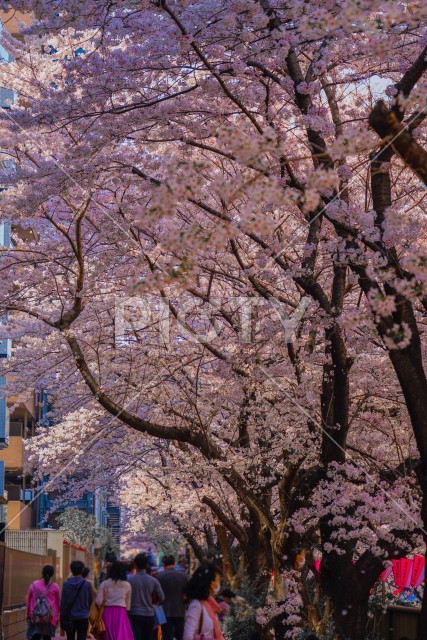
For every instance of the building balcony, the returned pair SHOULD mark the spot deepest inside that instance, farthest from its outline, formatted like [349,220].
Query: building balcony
[12,19]
[19,516]
[24,406]
[13,455]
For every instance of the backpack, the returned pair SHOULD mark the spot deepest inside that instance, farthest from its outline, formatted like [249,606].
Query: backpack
[42,612]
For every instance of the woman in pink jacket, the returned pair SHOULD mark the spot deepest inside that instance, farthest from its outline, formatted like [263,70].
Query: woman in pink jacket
[48,590]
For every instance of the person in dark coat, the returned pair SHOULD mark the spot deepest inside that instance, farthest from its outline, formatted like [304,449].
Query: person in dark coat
[173,583]
[145,591]
[76,601]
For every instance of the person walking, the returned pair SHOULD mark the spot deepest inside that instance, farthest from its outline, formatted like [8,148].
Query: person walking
[85,575]
[151,558]
[130,568]
[115,594]
[173,583]
[43,602]
[202,613]
[146,592]
[76,601]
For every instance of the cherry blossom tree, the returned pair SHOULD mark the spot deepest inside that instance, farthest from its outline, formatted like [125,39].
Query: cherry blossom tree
[219,243]
[82,528]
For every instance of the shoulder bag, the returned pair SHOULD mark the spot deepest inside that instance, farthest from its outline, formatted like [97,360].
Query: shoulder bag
[66,622]
[95,618]
[200,635]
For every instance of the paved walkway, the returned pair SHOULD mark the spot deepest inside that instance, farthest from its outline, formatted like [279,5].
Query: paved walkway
[59,637]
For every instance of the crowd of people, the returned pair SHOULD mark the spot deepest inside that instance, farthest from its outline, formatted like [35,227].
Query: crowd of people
[134,601]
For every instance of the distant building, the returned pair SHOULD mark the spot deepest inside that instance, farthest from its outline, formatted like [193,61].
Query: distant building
[108,515]
[17,423]
[46,501]
[113,522]
[91,503]
[17,414]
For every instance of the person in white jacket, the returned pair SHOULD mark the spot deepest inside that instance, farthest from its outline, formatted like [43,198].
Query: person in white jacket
[202,613]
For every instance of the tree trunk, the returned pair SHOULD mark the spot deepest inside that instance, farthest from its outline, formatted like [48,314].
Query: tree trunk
[224,546]
[258,569]
[350,601]
[349,585]
[351,624]
[258,557]
[422,619]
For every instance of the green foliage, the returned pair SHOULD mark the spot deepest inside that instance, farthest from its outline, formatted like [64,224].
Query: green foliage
[104,538]
[329,632]
[235,629]
[241,623]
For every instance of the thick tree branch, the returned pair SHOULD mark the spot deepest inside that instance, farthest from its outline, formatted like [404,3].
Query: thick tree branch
[392,132]
[408,82]
[232,526]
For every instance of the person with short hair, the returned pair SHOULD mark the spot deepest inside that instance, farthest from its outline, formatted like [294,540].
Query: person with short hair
[146,592]
[203,610]
[76,601]
[173,583]
[181,565]
[47,588]
[115,594]
[226,598]
[151,558]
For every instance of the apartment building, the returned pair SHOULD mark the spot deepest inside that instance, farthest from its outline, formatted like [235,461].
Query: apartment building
[17,414]
[26,506]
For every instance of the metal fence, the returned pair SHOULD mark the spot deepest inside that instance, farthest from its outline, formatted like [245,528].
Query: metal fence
[30,541]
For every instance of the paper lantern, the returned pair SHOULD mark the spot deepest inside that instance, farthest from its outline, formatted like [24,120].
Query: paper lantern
[418,570]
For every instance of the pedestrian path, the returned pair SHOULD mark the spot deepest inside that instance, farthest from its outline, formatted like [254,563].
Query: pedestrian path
[59,637]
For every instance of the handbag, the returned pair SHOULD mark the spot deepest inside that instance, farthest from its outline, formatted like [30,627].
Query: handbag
[95,618]
[200,635]
[66,623]
[159,615]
